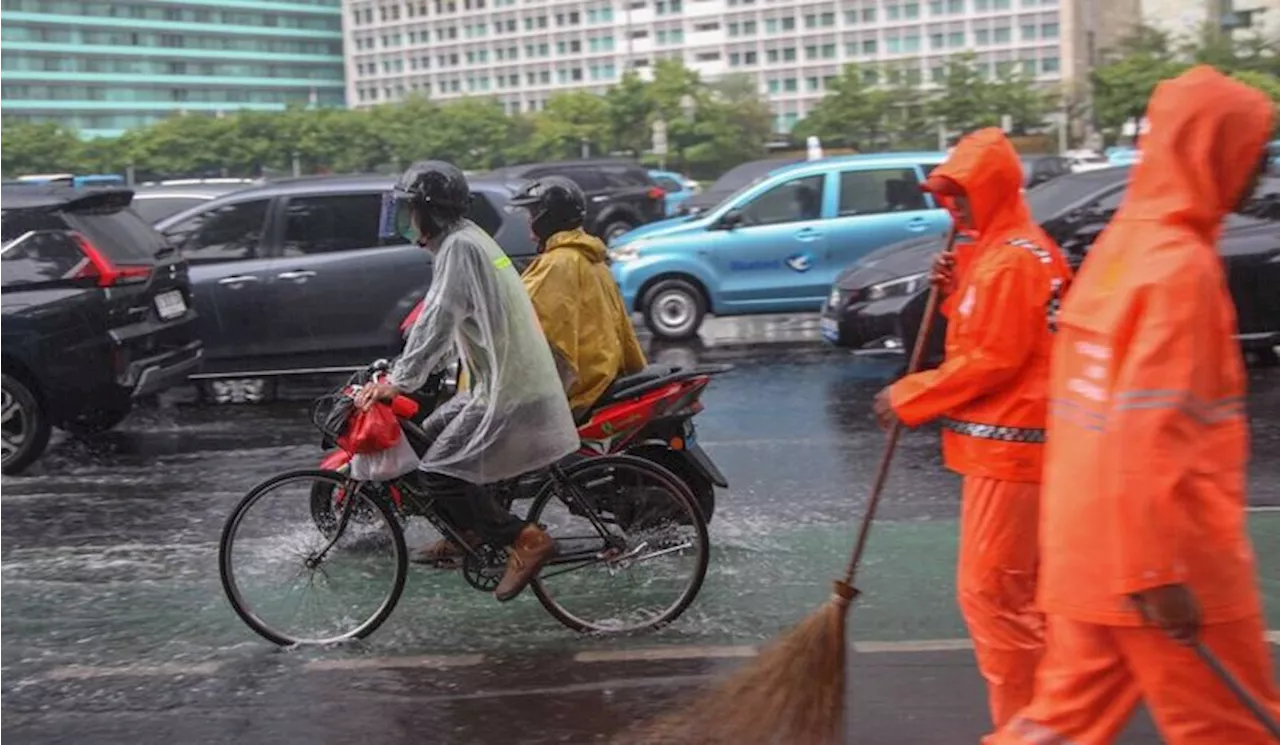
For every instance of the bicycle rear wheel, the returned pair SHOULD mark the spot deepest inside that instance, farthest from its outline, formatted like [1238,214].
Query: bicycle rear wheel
[647,568]
[295,583]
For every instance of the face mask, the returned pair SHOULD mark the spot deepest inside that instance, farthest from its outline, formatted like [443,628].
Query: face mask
[405,227]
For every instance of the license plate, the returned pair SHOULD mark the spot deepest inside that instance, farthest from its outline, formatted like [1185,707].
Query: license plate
[170,304]
[830,329]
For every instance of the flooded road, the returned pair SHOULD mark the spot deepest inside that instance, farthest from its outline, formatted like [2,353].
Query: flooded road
[116,628]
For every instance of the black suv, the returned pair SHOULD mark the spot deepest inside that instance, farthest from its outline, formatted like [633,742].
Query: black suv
[620,194]
[97,312]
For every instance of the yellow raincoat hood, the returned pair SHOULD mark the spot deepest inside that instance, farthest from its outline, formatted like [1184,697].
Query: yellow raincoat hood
[582,315]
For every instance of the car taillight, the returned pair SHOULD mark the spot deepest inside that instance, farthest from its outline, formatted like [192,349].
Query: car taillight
[100,266]
[657,193]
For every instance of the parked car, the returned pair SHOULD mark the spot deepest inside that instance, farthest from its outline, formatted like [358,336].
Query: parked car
[778,244]
[1037,169]
[620,193]
[1086,160]
[876,305]
[291,277]
[156,201]
[96,313]
[677,188]
[731,182]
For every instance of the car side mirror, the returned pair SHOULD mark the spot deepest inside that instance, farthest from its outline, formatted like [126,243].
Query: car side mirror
[729,220]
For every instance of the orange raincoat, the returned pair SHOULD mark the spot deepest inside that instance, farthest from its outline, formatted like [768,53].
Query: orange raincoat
[1145,470]
[990,392]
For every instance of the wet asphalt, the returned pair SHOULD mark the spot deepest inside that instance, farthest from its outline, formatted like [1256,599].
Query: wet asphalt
[116,630]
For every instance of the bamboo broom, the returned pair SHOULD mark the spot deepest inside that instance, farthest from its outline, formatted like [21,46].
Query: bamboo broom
[794,692]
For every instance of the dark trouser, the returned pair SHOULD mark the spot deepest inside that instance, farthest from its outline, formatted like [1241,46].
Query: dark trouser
[470,507]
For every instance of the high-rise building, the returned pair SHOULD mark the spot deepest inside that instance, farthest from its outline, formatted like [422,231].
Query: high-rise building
[104,67]
[1184,18]
[524,51]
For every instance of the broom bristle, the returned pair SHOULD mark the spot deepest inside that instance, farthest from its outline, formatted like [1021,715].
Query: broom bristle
[791,694]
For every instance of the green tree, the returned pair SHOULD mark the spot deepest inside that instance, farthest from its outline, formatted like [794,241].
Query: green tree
[43,147]
[1021,100]
[965,102]
[731,124]
[630,112]
[853,114]
[569,122]
[1123,83]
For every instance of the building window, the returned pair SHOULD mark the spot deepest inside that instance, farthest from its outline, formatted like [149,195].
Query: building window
[869,46]
[911,44]
[935,8]
[735,59]
[1029,68]
[827,20]
[868,15]
[981,37]
[707,56]
[789,85]
[1049,65]
[749,28]
[811,21]
[750,58]
[893,12]
[1028,31]
[775,86]
[734,29]
[937,41]
[851,17]
[1004,35]
[772,55]
[828,51]
[1049,31]
[955,39]
[893,45]
[789,23]
[789,54]
[810,52]
[812,84]
[911,10]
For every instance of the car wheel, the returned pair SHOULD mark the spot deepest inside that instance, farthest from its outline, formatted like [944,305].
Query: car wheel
[104,416]
[615,229]
[238,391]
[25,426]
[673,309]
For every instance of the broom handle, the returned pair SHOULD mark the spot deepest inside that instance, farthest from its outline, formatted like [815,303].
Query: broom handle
[1237,688]
[882,475]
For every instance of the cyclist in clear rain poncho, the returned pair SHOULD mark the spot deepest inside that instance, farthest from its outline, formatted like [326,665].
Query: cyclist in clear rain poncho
[514,418]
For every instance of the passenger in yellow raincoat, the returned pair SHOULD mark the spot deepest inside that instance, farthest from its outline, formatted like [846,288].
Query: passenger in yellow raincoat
[575,295]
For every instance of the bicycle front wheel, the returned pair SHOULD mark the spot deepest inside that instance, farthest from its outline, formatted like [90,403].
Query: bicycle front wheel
[632,546]
[295,582]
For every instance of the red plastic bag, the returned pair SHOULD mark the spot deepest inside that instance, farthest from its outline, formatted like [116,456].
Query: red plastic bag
[372,430]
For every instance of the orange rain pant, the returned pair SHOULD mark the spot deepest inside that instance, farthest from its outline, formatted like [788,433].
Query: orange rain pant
[996,583]
[1092,678]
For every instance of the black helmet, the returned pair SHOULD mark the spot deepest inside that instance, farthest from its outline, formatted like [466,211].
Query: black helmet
[555,203]
[436,191]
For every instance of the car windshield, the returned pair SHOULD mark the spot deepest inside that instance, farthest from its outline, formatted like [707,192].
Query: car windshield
[1051,197]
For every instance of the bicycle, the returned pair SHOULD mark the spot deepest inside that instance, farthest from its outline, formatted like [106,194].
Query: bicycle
[611,516]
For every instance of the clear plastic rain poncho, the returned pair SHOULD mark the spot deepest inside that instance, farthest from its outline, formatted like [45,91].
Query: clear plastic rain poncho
[516,418]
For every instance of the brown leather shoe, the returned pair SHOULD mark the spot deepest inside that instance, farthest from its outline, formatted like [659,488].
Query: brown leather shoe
[530,551]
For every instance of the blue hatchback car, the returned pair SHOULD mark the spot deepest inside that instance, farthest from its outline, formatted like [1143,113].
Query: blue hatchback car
[678,189]
[777,244]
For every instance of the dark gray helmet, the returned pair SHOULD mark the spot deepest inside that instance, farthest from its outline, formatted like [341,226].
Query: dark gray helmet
[435,191]
[555,204]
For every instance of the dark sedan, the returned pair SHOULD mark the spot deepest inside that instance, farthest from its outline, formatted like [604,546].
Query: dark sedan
[876,305]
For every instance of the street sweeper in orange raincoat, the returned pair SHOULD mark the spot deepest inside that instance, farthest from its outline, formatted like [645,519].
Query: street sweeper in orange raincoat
[989,393]
[1143,536]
